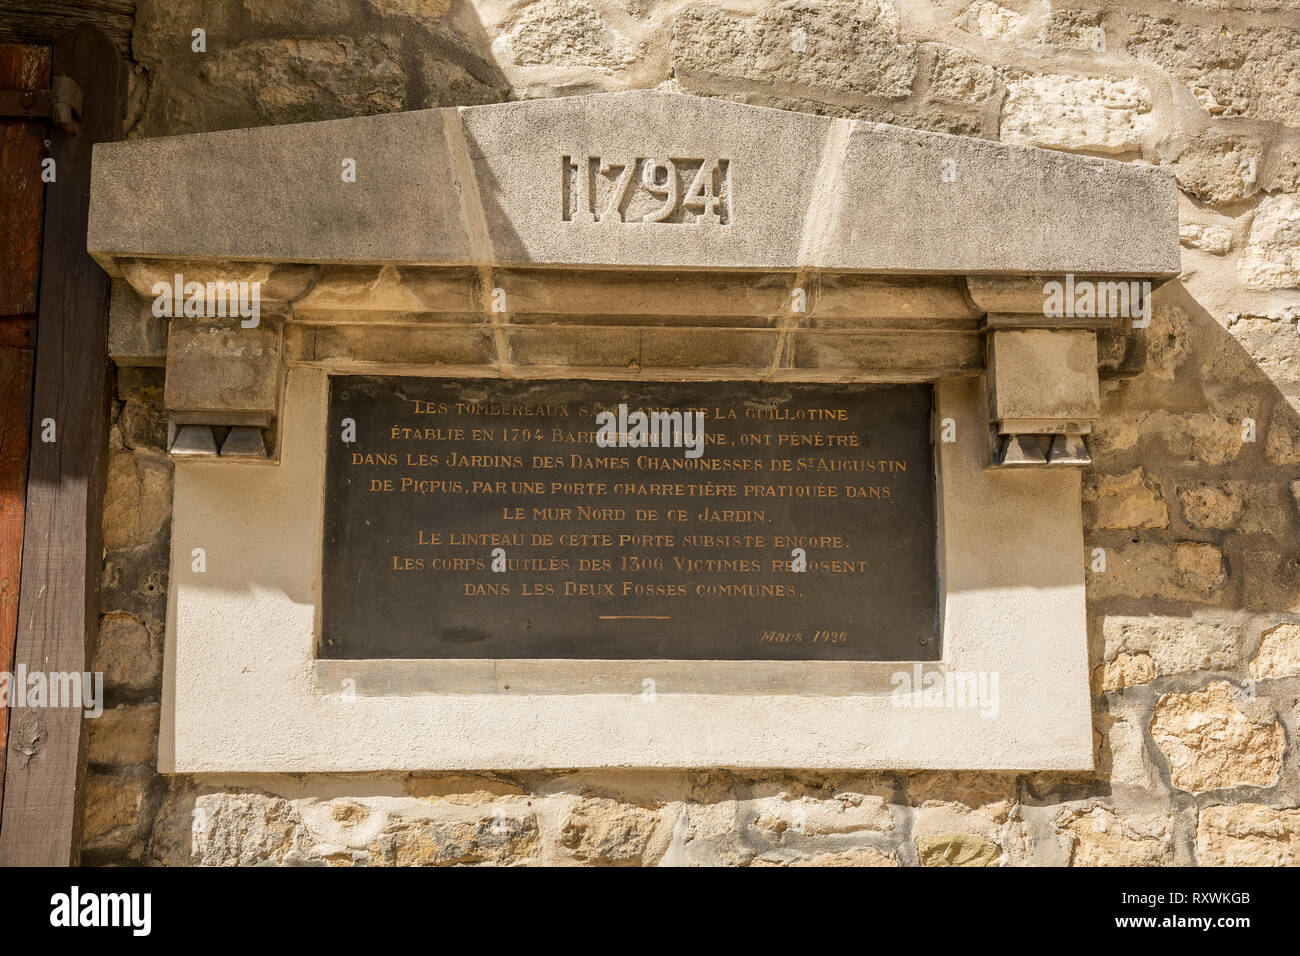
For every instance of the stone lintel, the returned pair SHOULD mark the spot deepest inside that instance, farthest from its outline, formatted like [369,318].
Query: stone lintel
[638,179]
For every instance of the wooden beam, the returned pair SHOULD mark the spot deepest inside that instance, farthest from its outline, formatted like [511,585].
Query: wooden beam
[58,604]
[44,21]
[22,147]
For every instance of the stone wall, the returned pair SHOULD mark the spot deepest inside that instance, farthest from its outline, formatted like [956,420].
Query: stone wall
[1193,503]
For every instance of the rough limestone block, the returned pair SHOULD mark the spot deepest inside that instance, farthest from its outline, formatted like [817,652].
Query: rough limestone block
[1248,834]
[1072,112]
[1218,738]
[849,49]
[1040,378]
[1269,260]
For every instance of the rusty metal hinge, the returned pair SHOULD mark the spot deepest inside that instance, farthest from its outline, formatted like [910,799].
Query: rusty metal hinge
[61,103]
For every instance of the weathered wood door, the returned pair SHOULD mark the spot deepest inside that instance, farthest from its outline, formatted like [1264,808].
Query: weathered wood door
[64,412]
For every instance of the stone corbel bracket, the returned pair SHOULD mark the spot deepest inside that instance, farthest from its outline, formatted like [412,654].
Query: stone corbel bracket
[1041,364]
[222,324]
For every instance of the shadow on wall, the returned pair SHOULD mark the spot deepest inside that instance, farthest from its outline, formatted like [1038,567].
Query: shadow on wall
[1192,504]
[275,63]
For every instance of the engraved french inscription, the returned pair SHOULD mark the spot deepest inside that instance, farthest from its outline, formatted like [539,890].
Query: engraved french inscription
[472,519]
[631,189]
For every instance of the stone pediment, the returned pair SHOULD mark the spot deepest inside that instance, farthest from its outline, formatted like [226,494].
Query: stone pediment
[564,182]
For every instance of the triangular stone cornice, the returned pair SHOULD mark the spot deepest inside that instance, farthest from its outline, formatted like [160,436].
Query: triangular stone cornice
[490,185]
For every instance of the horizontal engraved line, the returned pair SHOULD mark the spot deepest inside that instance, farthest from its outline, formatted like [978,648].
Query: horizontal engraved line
[864,375]
[896,327]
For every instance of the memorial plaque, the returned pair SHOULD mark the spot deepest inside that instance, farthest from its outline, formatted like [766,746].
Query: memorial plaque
[488,519]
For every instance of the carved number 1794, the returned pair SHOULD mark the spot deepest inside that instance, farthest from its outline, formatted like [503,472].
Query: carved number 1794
[646,189]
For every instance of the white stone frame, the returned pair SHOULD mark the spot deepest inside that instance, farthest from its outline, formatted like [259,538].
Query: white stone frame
[243,691]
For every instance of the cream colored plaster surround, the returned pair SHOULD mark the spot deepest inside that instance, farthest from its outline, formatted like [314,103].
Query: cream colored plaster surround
[243,691]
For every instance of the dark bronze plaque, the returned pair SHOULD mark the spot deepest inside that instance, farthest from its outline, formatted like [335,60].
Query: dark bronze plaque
[628,552]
